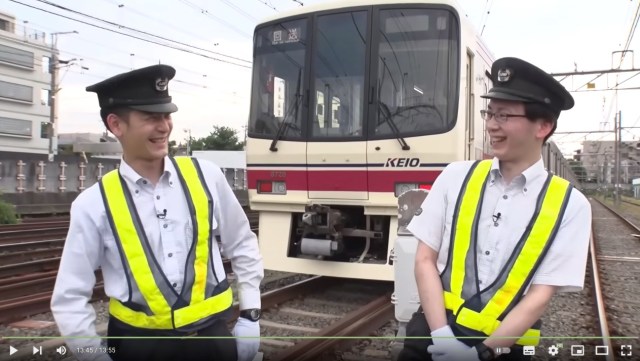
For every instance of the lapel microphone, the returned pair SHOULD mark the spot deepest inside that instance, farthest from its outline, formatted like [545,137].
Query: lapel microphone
[496,218]
[163,215]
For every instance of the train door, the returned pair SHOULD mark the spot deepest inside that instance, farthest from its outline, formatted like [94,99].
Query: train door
[336,151]
[469,137]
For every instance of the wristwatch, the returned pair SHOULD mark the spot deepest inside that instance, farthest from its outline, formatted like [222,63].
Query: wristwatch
[252,314]
[485,353]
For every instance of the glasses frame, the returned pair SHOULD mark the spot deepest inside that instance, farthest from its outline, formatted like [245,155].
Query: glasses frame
[500,117]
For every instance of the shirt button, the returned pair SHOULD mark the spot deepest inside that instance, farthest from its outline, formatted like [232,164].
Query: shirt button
[170,255]
[157,197]
[525,189]
[137,191]
[505,196]
[487,253]
[170,183]
[175,285]
[165,225]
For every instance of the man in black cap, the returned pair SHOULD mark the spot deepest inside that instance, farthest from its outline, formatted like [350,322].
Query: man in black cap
[498,238]
[150,226]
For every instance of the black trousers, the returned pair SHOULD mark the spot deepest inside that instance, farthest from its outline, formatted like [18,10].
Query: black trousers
[169,349]
[416,349]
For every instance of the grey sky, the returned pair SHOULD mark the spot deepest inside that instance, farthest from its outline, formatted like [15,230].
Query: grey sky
[554,35]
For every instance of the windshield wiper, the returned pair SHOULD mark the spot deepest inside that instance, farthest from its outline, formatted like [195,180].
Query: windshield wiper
[394,128]
[286,120]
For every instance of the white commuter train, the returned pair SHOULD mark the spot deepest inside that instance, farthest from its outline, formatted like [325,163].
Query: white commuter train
[353,103]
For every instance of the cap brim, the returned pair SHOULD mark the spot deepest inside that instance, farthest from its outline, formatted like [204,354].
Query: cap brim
[156,108]
[505,96]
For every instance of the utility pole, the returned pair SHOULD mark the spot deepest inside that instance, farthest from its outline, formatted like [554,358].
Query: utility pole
[53,70]
[618,155]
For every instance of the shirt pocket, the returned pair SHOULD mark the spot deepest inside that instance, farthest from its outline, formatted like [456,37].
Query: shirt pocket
[189,229]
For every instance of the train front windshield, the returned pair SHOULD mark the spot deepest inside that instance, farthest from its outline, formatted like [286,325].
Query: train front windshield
[313,78]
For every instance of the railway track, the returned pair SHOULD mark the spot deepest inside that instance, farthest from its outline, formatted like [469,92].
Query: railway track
[29,259]
[615,276]
[322,311]
[313,323]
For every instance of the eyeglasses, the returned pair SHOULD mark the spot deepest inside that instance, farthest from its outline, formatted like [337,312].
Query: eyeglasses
[499,117]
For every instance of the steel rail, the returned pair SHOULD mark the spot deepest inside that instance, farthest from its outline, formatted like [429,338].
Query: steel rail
[29,254]
[40,265]
[19,246]
[600,307]
[36,234]
[31,225]
[357,323]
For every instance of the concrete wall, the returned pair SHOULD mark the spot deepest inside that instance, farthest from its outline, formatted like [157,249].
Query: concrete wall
[35,185]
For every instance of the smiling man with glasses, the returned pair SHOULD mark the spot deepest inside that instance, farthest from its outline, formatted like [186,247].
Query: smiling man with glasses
[499,237]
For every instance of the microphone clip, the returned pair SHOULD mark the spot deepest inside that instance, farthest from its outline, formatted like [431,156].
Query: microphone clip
[162,215]
[496,218]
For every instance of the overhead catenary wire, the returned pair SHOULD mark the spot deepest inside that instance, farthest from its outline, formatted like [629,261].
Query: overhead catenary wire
[140,31]
[209,14]
[233,6]
[632,31]
[163,22]
[488,5]
[135,37]
[268,5]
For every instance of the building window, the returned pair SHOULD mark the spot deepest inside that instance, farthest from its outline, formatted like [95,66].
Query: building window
[5,25]
[16,91]
[44,130]
[15,56]
[46,61]
[10,126]
[44,97]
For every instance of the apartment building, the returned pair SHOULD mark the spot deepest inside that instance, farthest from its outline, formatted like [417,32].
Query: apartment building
[598,159]
[25,85]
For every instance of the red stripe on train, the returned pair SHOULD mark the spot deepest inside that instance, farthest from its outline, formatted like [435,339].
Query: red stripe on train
[341,180]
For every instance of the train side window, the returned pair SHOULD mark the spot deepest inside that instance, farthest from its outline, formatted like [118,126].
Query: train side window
[417,80]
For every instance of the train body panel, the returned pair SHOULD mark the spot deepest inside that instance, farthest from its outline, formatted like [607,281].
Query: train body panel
[352,104]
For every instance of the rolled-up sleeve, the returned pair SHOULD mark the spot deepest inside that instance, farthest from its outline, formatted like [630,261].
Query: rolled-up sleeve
[564,265]
[239,243]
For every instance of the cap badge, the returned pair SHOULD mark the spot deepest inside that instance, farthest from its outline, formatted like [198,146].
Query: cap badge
[504,75]
[161,84]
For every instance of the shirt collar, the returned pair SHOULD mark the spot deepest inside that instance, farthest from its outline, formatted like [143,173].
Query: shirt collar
[132,176]
[534,171]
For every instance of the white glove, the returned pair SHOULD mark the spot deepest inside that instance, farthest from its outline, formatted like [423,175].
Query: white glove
[447,348]
[247,335]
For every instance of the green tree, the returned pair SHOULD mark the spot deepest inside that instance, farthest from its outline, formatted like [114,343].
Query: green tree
[221,138]
[172,148]
[7,213]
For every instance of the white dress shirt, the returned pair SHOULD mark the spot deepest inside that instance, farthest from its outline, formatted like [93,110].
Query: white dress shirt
[90,245]
[565,262]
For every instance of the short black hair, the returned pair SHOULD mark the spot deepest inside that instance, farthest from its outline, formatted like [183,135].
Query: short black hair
[121,112]
[535,111]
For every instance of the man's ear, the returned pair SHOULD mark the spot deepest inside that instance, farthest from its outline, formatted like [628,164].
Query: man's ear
[545,128]
[115,124]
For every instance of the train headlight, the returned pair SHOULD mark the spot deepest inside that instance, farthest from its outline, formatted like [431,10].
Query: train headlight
[403,187]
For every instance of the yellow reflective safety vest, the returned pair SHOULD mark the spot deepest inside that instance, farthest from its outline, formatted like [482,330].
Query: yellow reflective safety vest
[476,312]
[153,302]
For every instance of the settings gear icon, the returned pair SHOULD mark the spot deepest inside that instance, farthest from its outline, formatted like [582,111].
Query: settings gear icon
[553,350]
